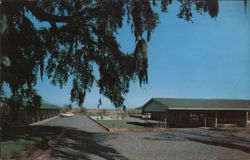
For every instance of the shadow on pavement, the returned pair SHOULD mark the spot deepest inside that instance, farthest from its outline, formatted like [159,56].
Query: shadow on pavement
[78,144]
[75,144]
[40,135]
[225,139]
[141,124]
[230,145]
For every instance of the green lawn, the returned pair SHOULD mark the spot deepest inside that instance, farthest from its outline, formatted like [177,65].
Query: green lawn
[124,124]
[15,140]
[13,148]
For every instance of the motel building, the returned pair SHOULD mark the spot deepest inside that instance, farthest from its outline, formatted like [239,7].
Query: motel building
[180,112]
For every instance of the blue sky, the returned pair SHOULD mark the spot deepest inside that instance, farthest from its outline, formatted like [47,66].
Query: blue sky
[209,58]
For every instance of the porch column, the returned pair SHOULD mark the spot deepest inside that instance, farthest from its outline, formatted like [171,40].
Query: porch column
[166,119]
[162,119]
[205,119]
[160,122]
[215,125]
[246,119]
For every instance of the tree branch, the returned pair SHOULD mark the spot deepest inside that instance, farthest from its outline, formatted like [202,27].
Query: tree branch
[43,16]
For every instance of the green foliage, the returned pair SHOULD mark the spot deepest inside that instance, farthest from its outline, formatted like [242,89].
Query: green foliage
[68,106]
[83,110]
[81,34]
[103,112]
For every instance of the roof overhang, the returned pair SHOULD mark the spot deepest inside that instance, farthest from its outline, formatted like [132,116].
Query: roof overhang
[211,109]
[166,107]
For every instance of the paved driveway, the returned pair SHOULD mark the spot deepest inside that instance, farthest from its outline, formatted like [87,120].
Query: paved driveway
[82,123]
[90,141]
[182,144]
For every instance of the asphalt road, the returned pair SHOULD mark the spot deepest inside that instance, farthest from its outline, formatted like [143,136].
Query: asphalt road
[84,139]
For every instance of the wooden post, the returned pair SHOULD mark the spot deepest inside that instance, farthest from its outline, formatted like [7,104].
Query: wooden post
[166,119]
[205,120]
[162,119]
[216,123]
[246,119]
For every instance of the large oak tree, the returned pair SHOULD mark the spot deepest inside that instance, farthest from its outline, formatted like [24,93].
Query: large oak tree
[80,34]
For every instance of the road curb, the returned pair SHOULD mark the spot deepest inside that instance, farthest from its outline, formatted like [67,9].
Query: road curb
[127,129]
[138,130]
[105,127]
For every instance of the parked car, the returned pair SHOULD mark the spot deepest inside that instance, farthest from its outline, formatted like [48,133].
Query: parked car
[67,114]
[146,116]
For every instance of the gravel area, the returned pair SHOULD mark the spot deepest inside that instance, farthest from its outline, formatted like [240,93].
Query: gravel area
[180,144]
[90,141]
